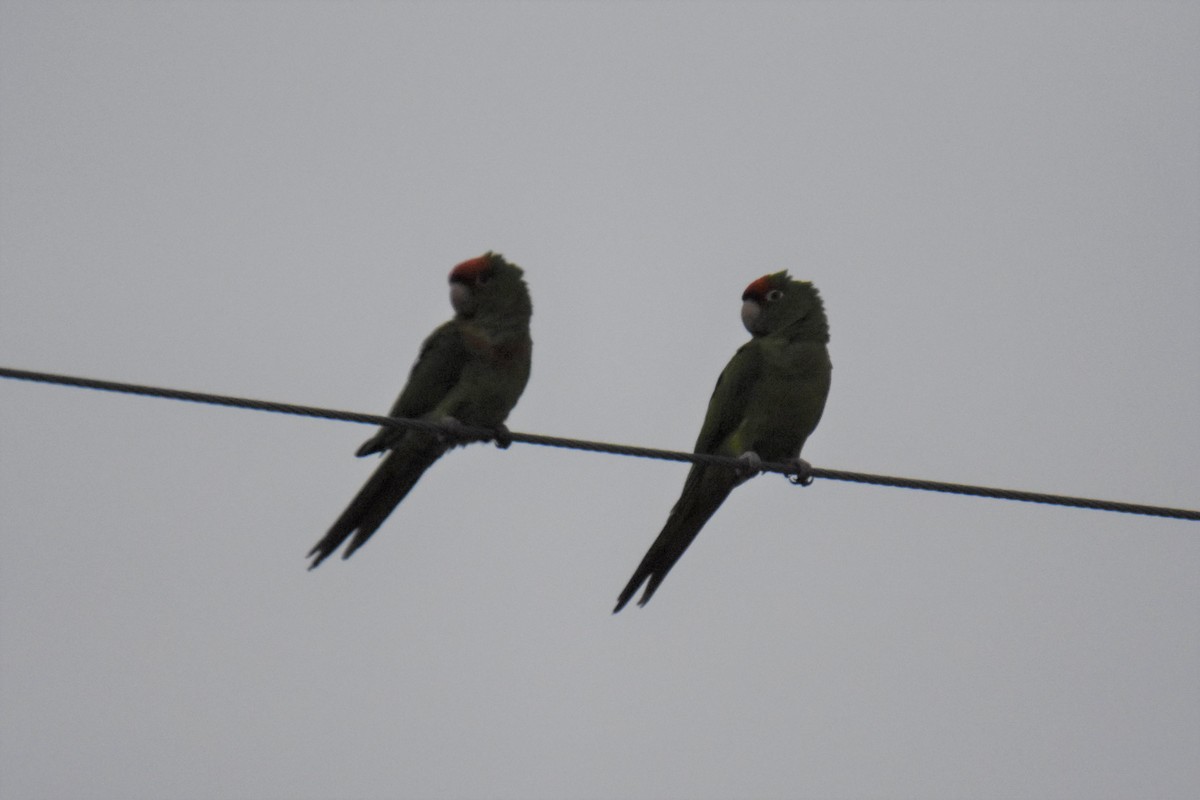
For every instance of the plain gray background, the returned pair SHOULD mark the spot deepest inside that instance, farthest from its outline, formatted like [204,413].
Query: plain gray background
[1000,203]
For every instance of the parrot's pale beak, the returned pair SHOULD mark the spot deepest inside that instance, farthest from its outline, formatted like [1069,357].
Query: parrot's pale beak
[461,298]
[750,313]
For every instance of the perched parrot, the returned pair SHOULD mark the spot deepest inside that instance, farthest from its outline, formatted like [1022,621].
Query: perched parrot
[471,371]
[767,401]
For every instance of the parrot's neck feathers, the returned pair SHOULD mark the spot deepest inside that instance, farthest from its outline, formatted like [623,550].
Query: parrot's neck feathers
[508,312]
[812,326]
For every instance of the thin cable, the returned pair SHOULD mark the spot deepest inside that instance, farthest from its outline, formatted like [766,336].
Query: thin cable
[503,438]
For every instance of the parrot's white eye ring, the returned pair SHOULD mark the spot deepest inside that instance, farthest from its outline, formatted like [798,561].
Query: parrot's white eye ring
[774,294]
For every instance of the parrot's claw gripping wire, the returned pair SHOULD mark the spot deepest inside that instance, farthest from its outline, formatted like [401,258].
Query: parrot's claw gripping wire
[453,432]
[502,437]
[803,475]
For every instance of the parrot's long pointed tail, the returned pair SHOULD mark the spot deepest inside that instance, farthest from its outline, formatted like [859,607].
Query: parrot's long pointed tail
[703,492]
[382,492]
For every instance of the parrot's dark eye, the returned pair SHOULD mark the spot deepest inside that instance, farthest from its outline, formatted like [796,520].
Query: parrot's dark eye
[483,278]
[774,295]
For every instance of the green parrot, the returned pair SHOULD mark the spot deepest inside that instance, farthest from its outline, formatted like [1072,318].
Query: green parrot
[471,371]
[767,402]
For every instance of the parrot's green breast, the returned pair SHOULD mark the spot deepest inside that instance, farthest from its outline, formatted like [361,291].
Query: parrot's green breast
[493,377]
[785,404]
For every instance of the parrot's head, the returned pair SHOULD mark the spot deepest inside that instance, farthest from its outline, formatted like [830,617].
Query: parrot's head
[489,285]
[778,302]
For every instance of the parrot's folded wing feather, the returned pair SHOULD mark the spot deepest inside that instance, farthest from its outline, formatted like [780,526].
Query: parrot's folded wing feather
[727,405]
[707,485]
[437,370]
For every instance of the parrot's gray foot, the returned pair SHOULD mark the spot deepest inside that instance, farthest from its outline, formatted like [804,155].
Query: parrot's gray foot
[802,476]
[751,464]
[454,432]
[501,436]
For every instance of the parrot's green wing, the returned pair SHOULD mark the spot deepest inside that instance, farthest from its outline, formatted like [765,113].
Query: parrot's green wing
[438,367]
[707,485]
[437,370]
[727,405]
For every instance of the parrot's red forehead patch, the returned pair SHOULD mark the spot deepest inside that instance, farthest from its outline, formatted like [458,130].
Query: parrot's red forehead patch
[468,271]
[758,289]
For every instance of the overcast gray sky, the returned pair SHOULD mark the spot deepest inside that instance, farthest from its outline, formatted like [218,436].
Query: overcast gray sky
[999,202]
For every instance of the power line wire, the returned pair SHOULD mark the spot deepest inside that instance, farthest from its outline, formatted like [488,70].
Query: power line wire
[504,437]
